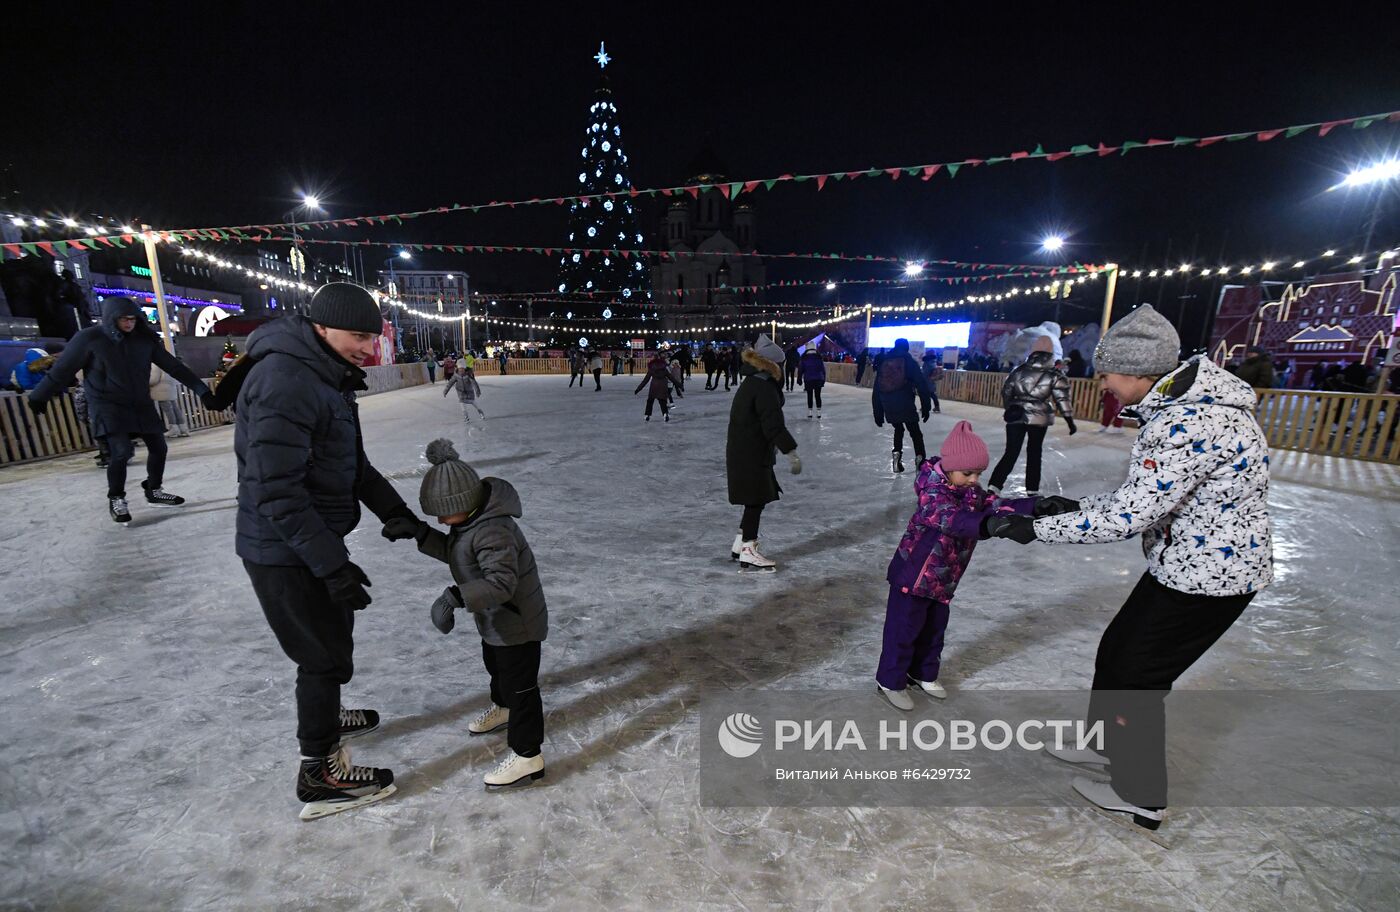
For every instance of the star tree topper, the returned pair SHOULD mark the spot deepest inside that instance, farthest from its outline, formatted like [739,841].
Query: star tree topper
[602,56]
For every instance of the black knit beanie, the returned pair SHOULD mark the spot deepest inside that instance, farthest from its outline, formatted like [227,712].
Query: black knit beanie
[342,305]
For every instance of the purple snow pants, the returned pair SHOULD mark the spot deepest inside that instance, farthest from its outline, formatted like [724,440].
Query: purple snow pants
[914,629]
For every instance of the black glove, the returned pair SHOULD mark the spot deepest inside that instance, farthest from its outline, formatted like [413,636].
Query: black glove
[926,413]
[347,586]
[444,607]
[879,422]
[1054,505]
[1016,526]
[1072,429]
[37,406]
[403,523]
[211,402]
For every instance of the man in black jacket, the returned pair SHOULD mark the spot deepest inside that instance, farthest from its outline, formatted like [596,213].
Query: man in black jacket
[897,379]
[116,359]
[302,474]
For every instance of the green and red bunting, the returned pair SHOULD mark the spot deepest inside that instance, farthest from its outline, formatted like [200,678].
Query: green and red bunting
[925,172]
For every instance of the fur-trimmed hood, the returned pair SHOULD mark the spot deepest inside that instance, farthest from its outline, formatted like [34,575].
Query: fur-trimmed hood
[761,364]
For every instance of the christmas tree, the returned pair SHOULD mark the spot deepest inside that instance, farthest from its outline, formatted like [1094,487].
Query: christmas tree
[603,225]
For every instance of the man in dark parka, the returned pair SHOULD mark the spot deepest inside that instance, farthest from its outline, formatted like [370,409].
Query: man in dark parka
[115,358]
[756,431]
[302,475]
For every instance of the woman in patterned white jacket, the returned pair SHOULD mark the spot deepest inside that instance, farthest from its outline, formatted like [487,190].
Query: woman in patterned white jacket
[1197,491]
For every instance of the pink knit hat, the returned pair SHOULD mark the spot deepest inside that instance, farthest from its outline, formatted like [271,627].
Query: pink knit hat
[963,450]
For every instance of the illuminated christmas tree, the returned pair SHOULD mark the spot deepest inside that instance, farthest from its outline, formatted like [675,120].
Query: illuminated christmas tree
[604,225]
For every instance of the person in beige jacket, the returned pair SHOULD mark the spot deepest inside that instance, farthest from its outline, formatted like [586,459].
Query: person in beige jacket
[164,395]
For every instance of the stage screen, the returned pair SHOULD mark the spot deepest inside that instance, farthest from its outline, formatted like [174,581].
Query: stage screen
[934,335]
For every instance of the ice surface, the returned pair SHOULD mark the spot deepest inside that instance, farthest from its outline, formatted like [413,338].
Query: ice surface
[148,751]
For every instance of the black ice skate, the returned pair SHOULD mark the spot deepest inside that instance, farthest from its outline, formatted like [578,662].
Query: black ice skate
[354,722]
[117,507]
[158,497]
[329,785]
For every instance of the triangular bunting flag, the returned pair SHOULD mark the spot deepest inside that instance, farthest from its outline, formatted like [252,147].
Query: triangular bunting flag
[930,170]
[1266,135]
[821,181]
[953,169]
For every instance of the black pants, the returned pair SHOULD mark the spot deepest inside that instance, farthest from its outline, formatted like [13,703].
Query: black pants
[860,373]
[933,394]
[791,378]
[916,436]
[1034,437]
[575,375]
[710,379]
[503,368]
[748,523]
[120,451]
[432,374]
[814,389]
[318,635]
[1157,634]
[515,684]
[665,409]
[631,368]
[598,377]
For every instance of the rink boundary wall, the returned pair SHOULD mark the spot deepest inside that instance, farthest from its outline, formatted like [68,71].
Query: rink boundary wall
[26,437]
[1353,426]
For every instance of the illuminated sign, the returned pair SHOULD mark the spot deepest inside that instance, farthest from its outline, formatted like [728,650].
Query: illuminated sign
[141,271]
[933,335]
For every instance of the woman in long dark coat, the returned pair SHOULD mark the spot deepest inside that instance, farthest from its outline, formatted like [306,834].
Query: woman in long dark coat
[756,431]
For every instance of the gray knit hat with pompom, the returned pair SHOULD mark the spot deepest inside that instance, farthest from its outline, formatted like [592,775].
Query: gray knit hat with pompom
[450,486]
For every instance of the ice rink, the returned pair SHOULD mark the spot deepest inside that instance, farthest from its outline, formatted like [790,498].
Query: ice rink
[148,755]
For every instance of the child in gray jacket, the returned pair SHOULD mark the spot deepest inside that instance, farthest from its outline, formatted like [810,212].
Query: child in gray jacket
[468,391]
[496,580]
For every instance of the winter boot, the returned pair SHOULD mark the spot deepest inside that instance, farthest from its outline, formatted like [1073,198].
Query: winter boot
[117,507]
[354,722]
[329,785]
[515,770]
[932,688]
[738,546]
[1107,802]
[751,559]
[158,497]
[182,430]
[897,460]
[899,699]
[489,720]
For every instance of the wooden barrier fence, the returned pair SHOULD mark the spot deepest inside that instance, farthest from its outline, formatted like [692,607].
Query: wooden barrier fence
[25,436]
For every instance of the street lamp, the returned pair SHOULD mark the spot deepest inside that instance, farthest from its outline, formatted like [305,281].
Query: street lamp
[296,258]
[394,290]
[1378,173]
[1052,243]
[913,269]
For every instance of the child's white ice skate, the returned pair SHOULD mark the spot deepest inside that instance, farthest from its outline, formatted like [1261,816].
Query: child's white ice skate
[515,770]
[489,720]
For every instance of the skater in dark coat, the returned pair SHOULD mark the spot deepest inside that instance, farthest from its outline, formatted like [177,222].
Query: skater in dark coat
[897,379]
[710,360]
[813,377]
[736,360]
[791,360]
[659,376]
[756,431]
[302,475]
[115,358]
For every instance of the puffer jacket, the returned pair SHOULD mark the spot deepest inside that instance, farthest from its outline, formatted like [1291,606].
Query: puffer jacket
[1033,392]
[1197,489]
[302,470]
[756,432]
[494,569]
[813,368]
[464,382]
[116,370]
[659,377]
[941,535]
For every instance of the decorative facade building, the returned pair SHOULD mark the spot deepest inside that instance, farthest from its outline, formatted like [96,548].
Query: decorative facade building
[706,278]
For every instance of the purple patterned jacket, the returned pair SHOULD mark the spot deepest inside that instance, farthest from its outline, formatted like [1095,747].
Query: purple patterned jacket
[942,533]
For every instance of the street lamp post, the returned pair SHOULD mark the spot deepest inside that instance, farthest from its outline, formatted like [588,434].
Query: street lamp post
[296,259]
[394,290]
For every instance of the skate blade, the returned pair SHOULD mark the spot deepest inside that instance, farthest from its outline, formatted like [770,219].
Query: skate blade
[488,730]
[1124,820]
[356,734]
[523,782]
[319,809]
[750,568]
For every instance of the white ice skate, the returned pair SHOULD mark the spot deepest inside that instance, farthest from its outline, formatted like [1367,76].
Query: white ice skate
[515,770]
[752,560]
[1107,802]
[932,688]
[738,546]
[1078,756]
[899,699]
[897,460]
[489,720]
[819,414]
[809,414]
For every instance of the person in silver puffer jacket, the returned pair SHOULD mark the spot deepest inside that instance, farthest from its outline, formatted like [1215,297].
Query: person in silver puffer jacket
[1032,394]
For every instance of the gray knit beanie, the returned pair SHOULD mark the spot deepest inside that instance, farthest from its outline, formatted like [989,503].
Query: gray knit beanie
[769,349]
[450,486]
[342,305]
[1142,344]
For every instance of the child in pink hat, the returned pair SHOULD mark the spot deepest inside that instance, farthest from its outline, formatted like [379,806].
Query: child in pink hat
[932,555]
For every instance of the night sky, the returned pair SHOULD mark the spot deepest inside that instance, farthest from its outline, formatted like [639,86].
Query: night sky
[204,115]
